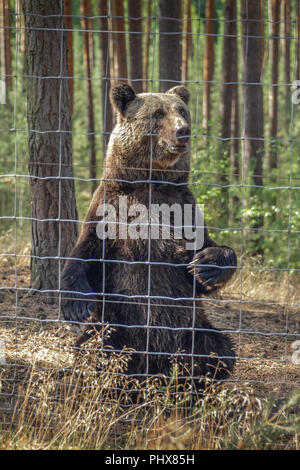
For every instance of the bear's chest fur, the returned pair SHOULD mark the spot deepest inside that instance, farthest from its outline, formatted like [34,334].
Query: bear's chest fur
[153,263]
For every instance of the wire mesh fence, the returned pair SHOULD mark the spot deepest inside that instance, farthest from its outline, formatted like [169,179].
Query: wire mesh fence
[69,122]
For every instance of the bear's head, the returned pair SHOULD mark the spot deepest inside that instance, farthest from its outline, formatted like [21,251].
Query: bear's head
[152,134]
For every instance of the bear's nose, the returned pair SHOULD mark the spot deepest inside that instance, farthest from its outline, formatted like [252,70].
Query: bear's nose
[183,133]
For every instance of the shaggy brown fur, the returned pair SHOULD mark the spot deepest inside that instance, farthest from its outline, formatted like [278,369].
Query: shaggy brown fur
[148,160]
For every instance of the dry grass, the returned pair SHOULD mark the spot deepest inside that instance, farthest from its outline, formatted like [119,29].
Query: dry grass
[51,400]
[63,401]
[254,282]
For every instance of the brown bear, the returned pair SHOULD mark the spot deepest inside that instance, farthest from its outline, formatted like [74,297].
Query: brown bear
[149,288]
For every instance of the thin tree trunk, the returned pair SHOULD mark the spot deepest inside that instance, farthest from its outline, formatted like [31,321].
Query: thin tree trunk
[90,103]
[208,67]
[69,26]
[227,96]
[273,94]
[21,26]
[147,46]
[264,55]
[50,142]
[229,44]
[186,43]
[120,39]
[135,44]
[107,115]
[253,124]
[286,55]
[89,21]
[262,29]
[169,43]
[112,51]
[235,131]
[235,122]
[2,57]
[235,119]
[297,38]
[7,35]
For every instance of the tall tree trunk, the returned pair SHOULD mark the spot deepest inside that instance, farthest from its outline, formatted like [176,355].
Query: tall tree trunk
[147,46]
[135,44]
[264,55]
[112,50]
[50,142]
[5,43]
[7,34]
[286,55]
[235,118]
[186,43]
[69,26]
[2,57]
[208,67]
[297,38]
[20,24]
[90,27]
[107,115]
[169,43]
[273,93]
[253,124]
[90,102]
[120,39]
[229,44]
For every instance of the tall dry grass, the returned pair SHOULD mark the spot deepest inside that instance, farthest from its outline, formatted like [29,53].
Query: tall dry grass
[91,405]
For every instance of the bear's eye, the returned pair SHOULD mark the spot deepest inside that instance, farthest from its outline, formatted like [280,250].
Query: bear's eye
[182,112]
[158,114]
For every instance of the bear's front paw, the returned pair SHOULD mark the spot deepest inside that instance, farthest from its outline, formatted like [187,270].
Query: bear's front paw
[214,266]
[75,307]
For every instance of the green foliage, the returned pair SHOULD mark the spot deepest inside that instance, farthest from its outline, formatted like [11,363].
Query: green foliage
[232,206]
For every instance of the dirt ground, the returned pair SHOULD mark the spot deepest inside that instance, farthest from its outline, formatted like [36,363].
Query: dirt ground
[262,333]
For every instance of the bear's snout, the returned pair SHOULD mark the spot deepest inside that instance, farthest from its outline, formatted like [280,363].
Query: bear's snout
[183,133]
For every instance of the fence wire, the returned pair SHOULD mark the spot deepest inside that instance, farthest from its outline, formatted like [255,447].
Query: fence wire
[259,309]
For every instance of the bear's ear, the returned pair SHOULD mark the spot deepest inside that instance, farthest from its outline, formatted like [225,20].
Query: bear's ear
[182,92]
[120,96]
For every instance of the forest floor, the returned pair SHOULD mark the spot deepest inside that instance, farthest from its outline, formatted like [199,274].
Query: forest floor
[262,332]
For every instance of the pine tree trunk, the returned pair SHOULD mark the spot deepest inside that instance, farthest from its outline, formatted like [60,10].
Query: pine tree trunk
[7,34]
[50,143]
[20,24]
[112,51]
[90,27]
[90,102]
[297,38]
[253,124]
[69,26]
[2,57]
[235,131]
[235,118]
[107,115]
[208,67]
[147,46]
[235,122]
[227,97]
[186,43]
[286,56]
[169,43]
[273,93]
[229,45]
[262,37]
[120,40]
[135,44]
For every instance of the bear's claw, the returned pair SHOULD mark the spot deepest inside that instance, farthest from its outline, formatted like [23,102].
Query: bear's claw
[214,265]
[76,310]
